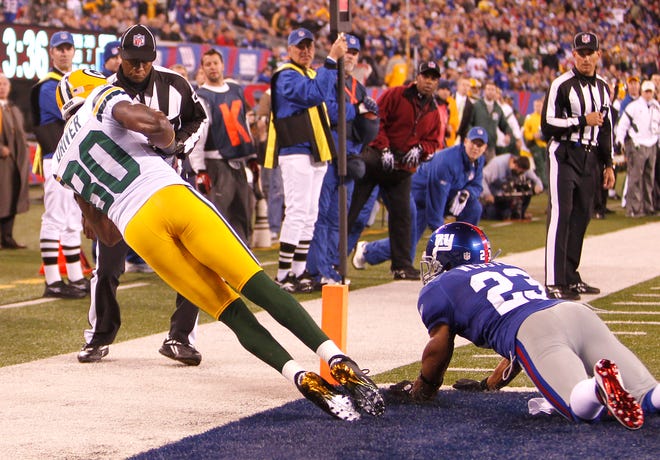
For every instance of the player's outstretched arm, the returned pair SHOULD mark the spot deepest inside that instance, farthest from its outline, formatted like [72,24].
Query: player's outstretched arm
[435,361]
[142,119]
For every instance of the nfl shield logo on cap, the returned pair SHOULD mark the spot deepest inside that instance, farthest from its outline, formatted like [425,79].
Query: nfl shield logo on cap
[138,40]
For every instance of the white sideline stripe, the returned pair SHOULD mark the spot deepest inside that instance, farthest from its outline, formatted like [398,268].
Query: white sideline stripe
[486,356]
[636,303]
[650,323]
[43,300]
[469,369]
[629,333]
[646,295]
[620,312]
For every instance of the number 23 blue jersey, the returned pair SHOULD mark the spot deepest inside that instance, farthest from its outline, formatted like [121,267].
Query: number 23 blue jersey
[484,303]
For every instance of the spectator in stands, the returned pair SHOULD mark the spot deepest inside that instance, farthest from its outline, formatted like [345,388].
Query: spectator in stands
[632,93]
[111,58]
[488,114]
[464,105]
[535,142]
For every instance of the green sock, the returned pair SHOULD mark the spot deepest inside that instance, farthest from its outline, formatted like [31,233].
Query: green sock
[253,336]
[263,291]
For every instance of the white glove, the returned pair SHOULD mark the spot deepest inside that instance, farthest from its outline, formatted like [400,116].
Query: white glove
[411,159]
[387,159]
[460,200]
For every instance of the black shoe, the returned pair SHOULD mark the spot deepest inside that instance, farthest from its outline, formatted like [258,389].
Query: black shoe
[289,283]
[362,389]
[306,283]
[61,290]
[326,396]
[82,285]
[583,288]
[93,354]
[408,273]
[561,292]
[182,352]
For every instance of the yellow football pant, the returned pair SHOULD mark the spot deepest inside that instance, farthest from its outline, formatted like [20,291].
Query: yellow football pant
[192,248]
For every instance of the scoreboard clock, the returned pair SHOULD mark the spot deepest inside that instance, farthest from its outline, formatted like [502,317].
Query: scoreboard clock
[24,50]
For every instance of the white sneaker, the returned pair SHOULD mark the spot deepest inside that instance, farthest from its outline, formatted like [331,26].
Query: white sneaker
[359,262]
[329,281]
[137,268]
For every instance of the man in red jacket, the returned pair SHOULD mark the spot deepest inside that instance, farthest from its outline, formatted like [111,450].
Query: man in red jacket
[409,133]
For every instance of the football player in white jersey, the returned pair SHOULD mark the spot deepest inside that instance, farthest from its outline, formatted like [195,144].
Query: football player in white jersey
[122,185]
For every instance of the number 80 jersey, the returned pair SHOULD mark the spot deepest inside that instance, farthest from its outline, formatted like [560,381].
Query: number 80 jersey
[484,303]
[110,166]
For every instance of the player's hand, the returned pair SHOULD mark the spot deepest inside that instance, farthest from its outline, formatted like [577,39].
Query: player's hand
[400,392]
[411,158]
[203,182]
[608,178]
[459,202]
[387,159]
[471,385]
[423,392]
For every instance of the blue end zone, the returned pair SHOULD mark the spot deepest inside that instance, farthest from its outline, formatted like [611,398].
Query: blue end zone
[456,425]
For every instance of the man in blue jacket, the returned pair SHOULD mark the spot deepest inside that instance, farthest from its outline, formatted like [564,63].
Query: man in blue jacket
[449,184]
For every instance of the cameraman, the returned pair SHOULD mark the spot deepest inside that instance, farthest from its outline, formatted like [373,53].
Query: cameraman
[508,184]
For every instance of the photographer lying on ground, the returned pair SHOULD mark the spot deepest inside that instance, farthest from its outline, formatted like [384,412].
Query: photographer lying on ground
[508,184]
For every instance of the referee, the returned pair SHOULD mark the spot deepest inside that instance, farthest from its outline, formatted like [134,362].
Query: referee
[576,119]
[166,91]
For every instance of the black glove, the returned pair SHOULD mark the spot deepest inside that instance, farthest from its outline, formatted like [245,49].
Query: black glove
[471,385]
[411,159]
[387,159]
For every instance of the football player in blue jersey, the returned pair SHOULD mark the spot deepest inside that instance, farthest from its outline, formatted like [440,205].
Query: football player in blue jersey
[564,347]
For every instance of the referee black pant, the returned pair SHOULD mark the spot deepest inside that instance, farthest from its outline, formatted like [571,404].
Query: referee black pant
[571,189]
[104,316]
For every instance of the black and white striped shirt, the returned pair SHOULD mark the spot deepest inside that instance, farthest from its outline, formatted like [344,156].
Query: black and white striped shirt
[170,93]
[570,97]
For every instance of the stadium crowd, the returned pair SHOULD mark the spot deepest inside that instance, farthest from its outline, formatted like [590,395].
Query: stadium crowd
[519,45]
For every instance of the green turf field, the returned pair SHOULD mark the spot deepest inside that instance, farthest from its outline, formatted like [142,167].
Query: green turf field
[42,329]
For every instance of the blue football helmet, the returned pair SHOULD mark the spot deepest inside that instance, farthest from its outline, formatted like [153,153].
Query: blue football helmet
[451,245]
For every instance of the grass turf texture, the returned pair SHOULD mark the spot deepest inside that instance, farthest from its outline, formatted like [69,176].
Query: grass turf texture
[38,331]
